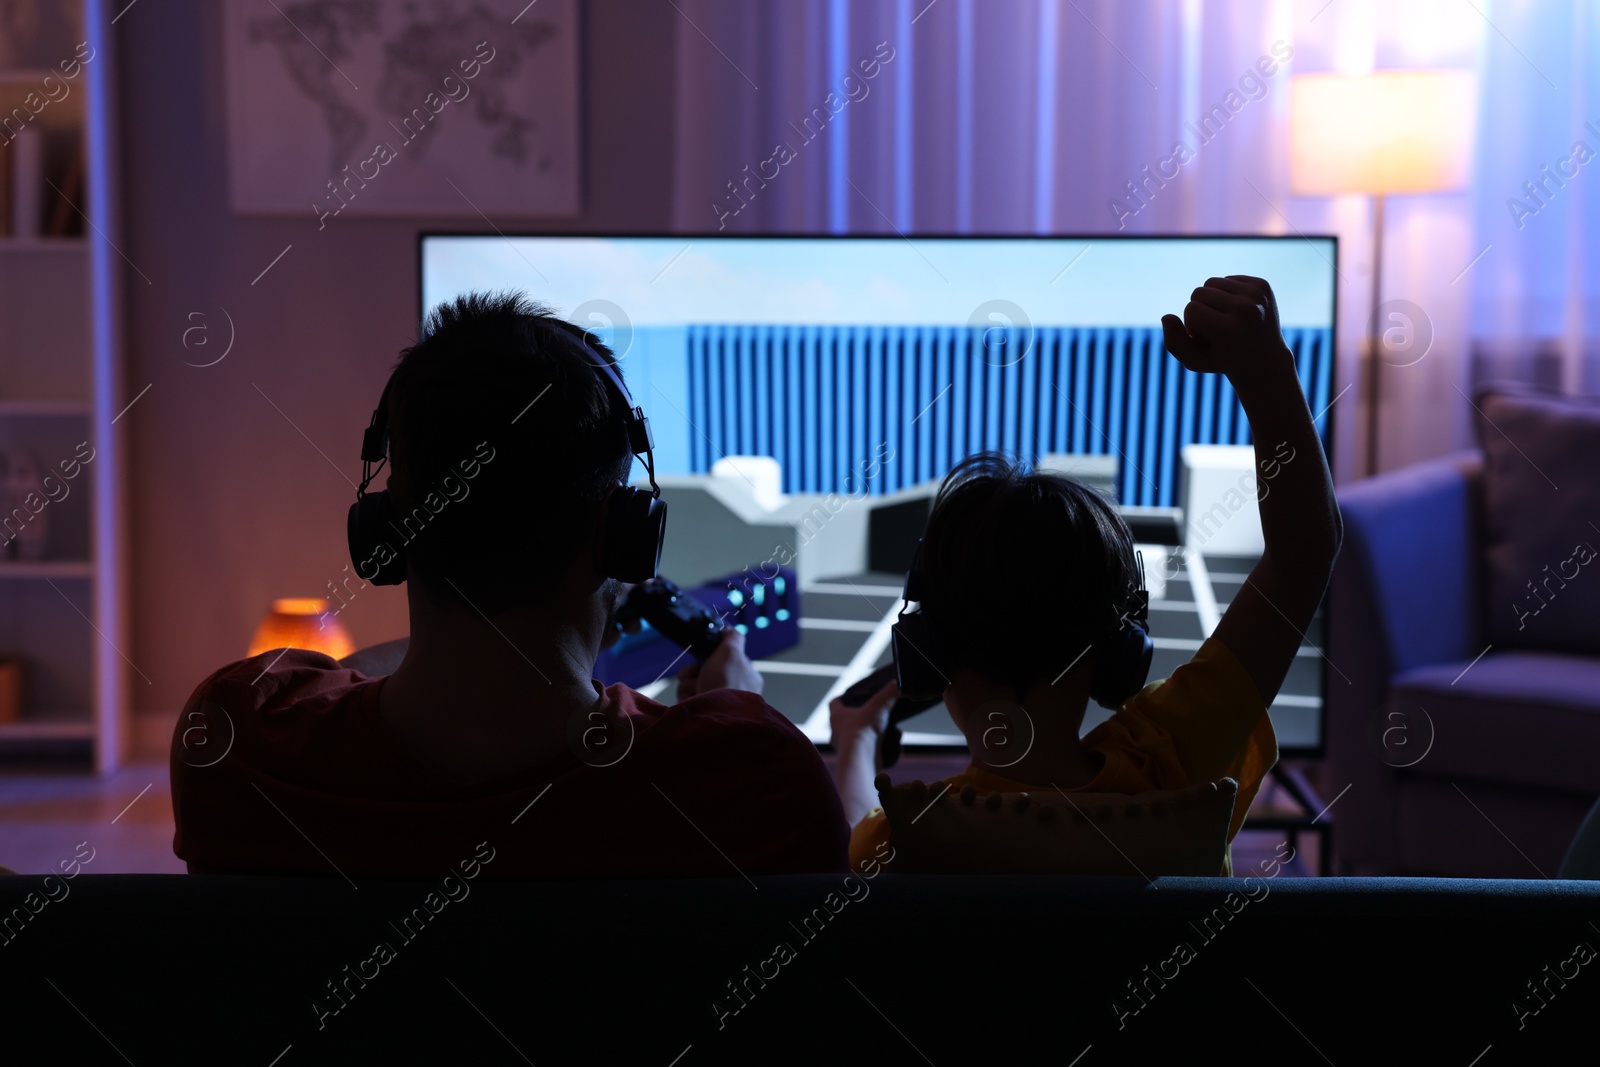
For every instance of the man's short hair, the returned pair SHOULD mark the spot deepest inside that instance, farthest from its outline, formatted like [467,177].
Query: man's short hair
[504,442]
[1023,569]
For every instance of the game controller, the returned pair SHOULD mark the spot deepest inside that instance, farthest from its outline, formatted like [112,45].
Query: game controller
[674,614]
[902,709]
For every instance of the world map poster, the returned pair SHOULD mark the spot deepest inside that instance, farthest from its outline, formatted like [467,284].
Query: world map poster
[401,107]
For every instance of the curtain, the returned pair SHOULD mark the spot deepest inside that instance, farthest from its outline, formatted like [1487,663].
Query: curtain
[1537,209]
[1062,116]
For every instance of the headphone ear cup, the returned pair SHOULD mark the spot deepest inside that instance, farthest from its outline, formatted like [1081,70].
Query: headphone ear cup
[916,652]
[635,529]
[1122,665]
[366,530]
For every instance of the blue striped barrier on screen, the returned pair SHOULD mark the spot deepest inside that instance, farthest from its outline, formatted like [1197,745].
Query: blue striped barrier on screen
[826,401]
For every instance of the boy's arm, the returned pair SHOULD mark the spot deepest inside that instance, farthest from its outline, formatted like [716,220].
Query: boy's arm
[856,731]
[1231,327]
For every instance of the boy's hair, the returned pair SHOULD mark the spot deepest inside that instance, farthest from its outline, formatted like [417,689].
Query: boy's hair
[499,369]
[1022,570]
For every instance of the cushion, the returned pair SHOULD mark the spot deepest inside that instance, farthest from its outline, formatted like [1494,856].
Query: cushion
[1541,521]
[1530,719]
[1146,835]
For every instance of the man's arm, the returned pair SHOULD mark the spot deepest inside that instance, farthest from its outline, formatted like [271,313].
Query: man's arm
[1231,327]
[378,661]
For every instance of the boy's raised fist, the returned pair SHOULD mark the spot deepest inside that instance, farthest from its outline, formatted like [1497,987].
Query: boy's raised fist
[1229,324]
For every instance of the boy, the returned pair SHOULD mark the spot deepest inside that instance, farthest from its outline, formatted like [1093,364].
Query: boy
[1026,575]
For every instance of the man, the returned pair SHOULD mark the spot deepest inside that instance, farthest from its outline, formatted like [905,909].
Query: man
[508,447]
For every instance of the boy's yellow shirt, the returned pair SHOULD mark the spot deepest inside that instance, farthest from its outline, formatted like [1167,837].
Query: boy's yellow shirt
[1203,723]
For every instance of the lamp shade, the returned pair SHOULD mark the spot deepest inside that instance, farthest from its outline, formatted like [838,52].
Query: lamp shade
[1393,131]
[302,622]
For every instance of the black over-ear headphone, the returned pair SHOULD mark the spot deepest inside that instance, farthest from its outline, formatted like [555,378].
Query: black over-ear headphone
[1121,664]
[635,522]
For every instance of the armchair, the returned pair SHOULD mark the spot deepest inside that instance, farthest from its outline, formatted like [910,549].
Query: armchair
[1463,758]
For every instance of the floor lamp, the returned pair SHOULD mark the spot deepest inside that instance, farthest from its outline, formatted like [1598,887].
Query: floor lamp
[1389,133]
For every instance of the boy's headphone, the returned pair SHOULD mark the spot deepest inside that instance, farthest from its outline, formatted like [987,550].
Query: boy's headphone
[1121,664]
[635,522]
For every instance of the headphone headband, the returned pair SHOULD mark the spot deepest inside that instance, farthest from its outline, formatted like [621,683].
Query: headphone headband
[1121,662]
[635,522]
[641,442]
[1136,607]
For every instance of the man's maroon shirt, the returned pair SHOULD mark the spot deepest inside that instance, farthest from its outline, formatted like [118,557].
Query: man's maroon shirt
[282,763]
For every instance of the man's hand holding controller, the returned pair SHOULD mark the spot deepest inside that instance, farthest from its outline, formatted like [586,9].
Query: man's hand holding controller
[726,668]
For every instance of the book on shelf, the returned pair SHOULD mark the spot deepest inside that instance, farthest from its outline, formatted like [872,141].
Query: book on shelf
[11,683]
[20,486]
[22,161]
[41,185]
[64,220]
[5,192]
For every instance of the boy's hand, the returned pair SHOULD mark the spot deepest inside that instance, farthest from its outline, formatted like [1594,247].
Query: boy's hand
[1230,324]
[873,716]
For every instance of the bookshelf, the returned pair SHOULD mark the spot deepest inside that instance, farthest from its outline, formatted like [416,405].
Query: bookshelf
[61,517]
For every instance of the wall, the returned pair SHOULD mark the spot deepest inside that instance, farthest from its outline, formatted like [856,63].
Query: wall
[234,501]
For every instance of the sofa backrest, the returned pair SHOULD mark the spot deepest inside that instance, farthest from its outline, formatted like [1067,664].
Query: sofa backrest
[820,968]
[1412,539]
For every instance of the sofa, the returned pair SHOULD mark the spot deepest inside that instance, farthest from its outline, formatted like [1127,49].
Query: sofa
[892,969]
[1470,744]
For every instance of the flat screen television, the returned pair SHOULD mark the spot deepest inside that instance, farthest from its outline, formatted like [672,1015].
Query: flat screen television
[808,393]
